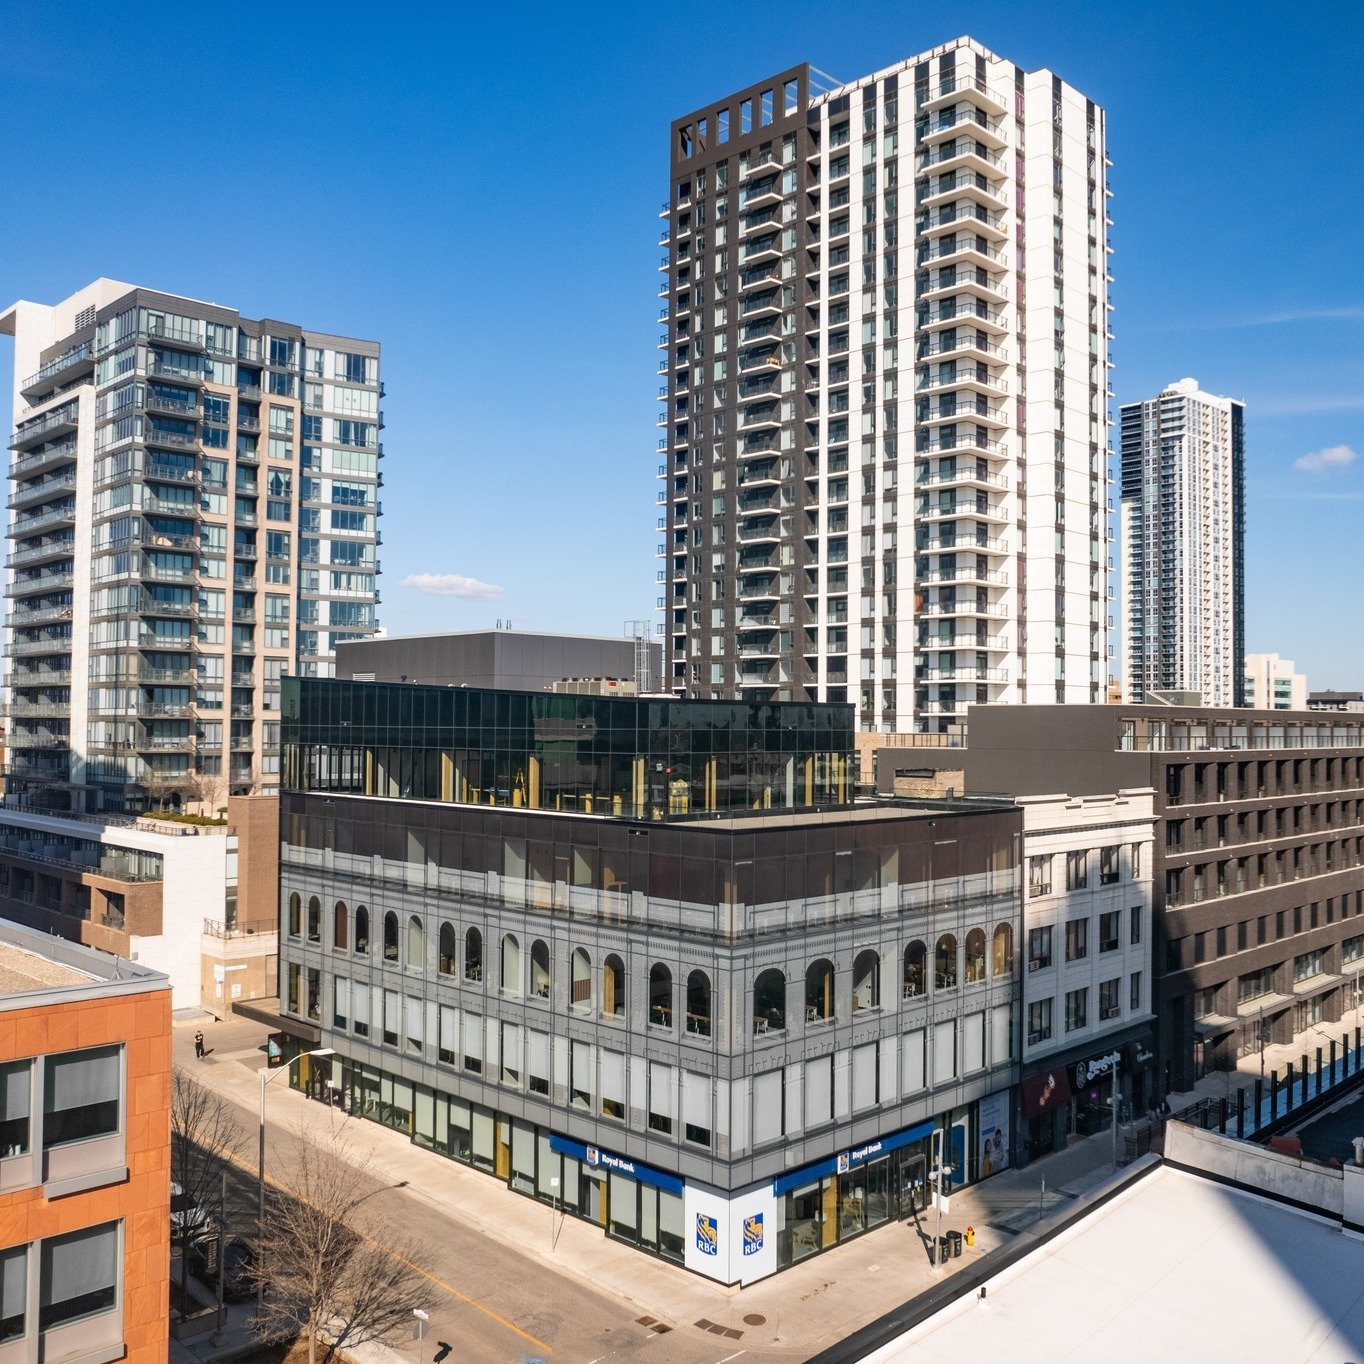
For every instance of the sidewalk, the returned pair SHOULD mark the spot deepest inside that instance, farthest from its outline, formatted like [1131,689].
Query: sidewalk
[1277,1056]
[793,1314]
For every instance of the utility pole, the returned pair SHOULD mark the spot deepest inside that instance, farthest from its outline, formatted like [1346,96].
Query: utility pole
[939,1169]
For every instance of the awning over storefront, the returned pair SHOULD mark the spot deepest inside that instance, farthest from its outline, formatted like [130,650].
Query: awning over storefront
[1214,1025]
[1266,1004]
[1318,985]
[267,1011]
[1045,1091]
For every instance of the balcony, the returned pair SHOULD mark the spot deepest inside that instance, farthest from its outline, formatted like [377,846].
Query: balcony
[988,610]
[968,187]
[963,119]
[964,281]
[57,423]
[49,457]
[171,440]
[937,644]
[965,673]
[158,368]
[989,544]
[963,248]
[751,533]
[968,408]
[42,615]
[764,357]
[964,90]
[761,248]
[187,408]
[65,368]
[978,378]
[964,443]
[972,216]
[965,152]
[41,583]
[966,344]
[27,493]
[963,477]
[973,313]
[29,648]
[59,549]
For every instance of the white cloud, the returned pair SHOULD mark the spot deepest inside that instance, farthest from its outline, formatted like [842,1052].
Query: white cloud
[454,585]
[1333,457]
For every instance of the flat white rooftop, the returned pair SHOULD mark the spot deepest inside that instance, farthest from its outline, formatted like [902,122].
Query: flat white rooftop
[1176,1267]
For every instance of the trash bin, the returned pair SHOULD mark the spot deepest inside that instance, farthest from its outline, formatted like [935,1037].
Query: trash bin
[953,1239]
[944,1249]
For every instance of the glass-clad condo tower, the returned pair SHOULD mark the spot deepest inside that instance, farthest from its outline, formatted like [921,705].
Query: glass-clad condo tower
[193,514]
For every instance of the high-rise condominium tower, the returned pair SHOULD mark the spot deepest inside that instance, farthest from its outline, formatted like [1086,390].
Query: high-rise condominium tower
[1183,522]
[193,515]
[883,451]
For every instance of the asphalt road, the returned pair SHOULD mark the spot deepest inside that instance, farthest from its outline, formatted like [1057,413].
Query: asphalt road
[487,1302]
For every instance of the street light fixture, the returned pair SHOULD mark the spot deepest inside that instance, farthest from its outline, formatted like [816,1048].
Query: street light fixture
[265,1077]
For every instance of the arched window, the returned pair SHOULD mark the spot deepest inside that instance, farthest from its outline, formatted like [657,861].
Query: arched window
[945,963]
[769,1001]
[390,936]
[539,969]
[340,926]
[613,986]
[660,996]
[416,944]
[295,915]
[975,956]
[1004,950]
[473,955]
[361,931]
[445,950]
[580,991]
[698,1003]
[866,993]
[819,990]
[511,965]
[916,958]
[314,920]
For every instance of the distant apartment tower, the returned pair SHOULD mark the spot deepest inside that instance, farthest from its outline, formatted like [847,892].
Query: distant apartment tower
[1271,683]
[193,515]
[884,373]
[1183,530]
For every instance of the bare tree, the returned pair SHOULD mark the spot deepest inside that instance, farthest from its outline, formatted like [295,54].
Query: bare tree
[207,790]
[204,1137]
[331,1269]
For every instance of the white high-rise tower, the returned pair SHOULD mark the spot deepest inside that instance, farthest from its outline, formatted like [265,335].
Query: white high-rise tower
[885,367]
[1183,526]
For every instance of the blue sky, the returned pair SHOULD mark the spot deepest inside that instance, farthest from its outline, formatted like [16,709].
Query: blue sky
[477,187]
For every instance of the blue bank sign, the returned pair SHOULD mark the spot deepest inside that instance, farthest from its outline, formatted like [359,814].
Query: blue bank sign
[852,1158]
[606,1160]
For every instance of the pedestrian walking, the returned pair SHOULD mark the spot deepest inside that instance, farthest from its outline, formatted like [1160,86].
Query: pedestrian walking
[199,1045]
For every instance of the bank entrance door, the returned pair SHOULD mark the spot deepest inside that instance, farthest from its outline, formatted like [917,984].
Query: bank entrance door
[913,1190]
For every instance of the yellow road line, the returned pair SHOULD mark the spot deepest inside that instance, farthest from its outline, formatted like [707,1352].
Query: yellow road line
[416,1268]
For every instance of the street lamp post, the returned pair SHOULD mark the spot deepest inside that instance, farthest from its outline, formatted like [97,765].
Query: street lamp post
[265,1077]
[422,1317]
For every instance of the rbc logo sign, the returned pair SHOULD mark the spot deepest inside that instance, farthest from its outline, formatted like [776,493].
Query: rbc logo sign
[707,1234]
[753,1234]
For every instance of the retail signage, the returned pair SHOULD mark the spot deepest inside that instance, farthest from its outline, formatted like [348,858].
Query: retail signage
[1045,1092]
[753,1234]
[851,1159]
[605,1160]
[994,1133]
[1096,1066]
[1139,1055]
[707,1234]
